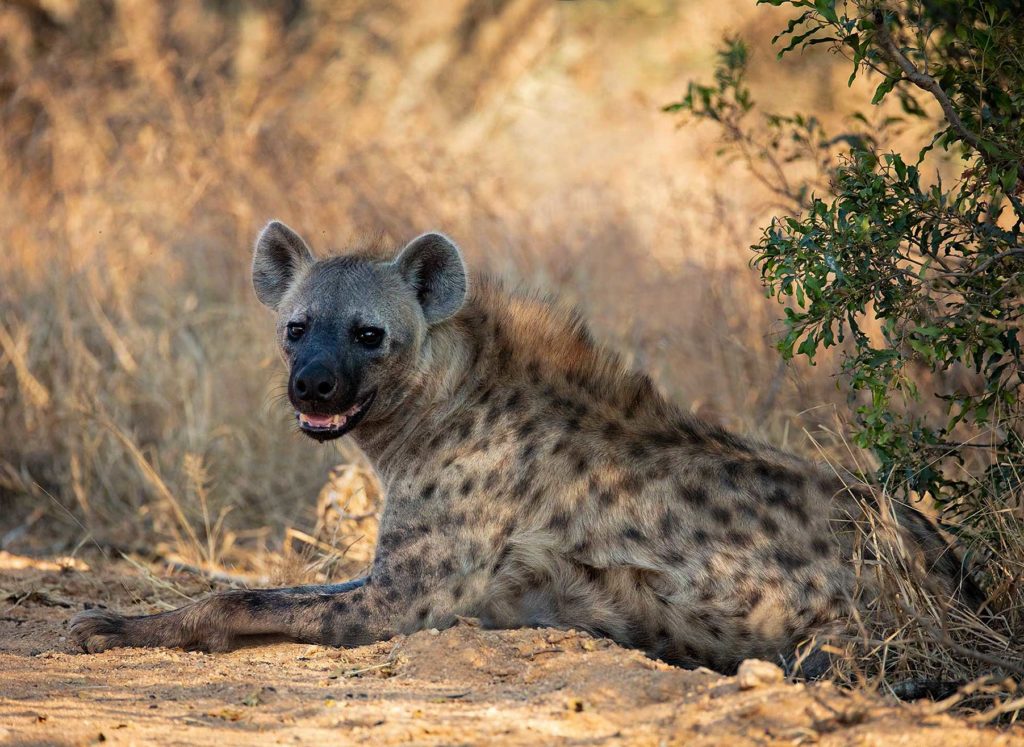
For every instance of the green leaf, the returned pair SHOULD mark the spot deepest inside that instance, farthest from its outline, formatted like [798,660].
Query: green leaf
[884,88]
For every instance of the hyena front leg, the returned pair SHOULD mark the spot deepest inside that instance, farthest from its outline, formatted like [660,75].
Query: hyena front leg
[418,582]
[212,624]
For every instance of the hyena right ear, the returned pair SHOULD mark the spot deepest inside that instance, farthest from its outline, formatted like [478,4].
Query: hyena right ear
[279,256]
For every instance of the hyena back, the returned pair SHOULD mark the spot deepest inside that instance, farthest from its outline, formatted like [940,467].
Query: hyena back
[531,479]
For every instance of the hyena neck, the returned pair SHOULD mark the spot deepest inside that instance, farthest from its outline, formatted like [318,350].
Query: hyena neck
[440,389]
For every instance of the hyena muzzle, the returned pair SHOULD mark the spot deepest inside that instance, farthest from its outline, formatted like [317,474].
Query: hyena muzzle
[531,479]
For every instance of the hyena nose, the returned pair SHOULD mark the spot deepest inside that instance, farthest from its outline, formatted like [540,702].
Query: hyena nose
[315,383]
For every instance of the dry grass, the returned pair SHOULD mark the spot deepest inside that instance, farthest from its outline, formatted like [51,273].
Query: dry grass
[143,144]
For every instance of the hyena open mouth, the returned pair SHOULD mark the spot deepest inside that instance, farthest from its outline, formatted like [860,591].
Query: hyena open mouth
[325,427]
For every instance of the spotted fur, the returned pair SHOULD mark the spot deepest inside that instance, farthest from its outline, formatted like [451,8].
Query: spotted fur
[533,479]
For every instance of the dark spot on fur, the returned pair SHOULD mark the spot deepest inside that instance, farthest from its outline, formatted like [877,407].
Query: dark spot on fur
[536,498]
[355,633]
[789,560]
[820,547]
[668,523]
[672,556]
[611,431]
[428,491]
[393,539]
[467,486]
[781,498]
[722,515]
[491,481]
[631,484]
[581,547]
[638,450]
[770,526]
[693,494]
[739,539]
[663,439]
[812,587]
[559,520]
[493,413]
[776,473]
[733,470]
[634,534]
[606,498]
[514,403]
[522,486]
[747,511]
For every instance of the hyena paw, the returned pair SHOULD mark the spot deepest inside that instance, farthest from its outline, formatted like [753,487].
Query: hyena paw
[97,630]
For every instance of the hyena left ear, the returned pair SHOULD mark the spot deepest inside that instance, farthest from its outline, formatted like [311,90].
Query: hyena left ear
[433,266]
[279,256]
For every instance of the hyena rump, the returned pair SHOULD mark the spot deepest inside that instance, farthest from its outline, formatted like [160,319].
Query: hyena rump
[531,480]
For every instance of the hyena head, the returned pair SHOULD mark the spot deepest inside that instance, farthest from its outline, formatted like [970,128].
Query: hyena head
[352,329]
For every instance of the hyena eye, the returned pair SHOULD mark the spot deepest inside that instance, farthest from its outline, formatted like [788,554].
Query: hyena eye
[296,330]
[369,337]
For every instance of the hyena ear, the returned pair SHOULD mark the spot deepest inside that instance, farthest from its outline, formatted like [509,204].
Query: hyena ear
[279,256]
[433,265]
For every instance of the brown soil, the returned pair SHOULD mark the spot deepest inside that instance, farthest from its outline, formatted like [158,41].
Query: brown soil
[460,686]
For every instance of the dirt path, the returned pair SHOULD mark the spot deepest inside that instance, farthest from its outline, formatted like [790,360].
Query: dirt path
[460,686]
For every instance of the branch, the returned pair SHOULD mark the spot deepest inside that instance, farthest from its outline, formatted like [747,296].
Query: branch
[929,84]
[992,260]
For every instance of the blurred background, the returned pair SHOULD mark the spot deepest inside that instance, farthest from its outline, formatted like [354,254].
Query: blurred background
[143,145]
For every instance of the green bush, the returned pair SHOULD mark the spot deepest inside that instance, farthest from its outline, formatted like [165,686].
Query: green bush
[925,246]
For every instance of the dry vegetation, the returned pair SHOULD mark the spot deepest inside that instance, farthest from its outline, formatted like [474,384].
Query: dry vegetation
[143,144]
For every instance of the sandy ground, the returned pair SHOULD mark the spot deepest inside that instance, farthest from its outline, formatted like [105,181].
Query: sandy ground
[460,686]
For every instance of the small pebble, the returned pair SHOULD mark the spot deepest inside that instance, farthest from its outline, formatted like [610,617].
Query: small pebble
[756,673]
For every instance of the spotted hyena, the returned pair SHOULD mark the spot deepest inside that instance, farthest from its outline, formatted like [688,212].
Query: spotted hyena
[531,479]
